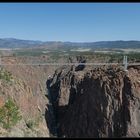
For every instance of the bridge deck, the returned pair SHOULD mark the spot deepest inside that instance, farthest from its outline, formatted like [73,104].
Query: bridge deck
[90,64]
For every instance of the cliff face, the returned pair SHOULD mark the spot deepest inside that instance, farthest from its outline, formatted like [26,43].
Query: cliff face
[97,102]
[31,107]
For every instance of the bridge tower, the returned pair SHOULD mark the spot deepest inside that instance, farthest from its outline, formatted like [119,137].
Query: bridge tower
[0,62]
[125,63]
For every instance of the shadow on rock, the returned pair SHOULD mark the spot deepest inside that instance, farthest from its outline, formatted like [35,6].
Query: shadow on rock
[50,120]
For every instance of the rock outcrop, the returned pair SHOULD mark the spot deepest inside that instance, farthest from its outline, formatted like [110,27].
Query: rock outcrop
[97,102]
[31,104]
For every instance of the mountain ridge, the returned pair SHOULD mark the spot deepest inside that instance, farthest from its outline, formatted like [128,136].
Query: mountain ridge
[21,43]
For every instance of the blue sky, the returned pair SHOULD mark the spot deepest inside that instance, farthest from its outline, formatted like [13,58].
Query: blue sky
[78,22]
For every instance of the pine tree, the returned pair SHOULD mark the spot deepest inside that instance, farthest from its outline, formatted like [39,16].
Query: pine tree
[9,114]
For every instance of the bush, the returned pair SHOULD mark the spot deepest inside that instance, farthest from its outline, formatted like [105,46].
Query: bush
[7,76]
[9,114]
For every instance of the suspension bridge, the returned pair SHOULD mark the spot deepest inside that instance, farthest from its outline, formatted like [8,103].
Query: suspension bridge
[125,64]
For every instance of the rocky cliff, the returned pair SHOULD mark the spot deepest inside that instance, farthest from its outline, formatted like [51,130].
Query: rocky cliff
[31,108]
[97,102]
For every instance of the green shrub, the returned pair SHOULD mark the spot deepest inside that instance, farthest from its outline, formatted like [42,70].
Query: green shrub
[7,76]
[9,114]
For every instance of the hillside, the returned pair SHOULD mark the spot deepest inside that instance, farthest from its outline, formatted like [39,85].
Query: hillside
[19,43]
[26,87]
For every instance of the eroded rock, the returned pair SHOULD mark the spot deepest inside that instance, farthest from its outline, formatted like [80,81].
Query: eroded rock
[97,102]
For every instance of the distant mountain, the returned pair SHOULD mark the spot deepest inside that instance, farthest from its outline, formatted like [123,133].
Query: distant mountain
[106,44]
[18,43]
